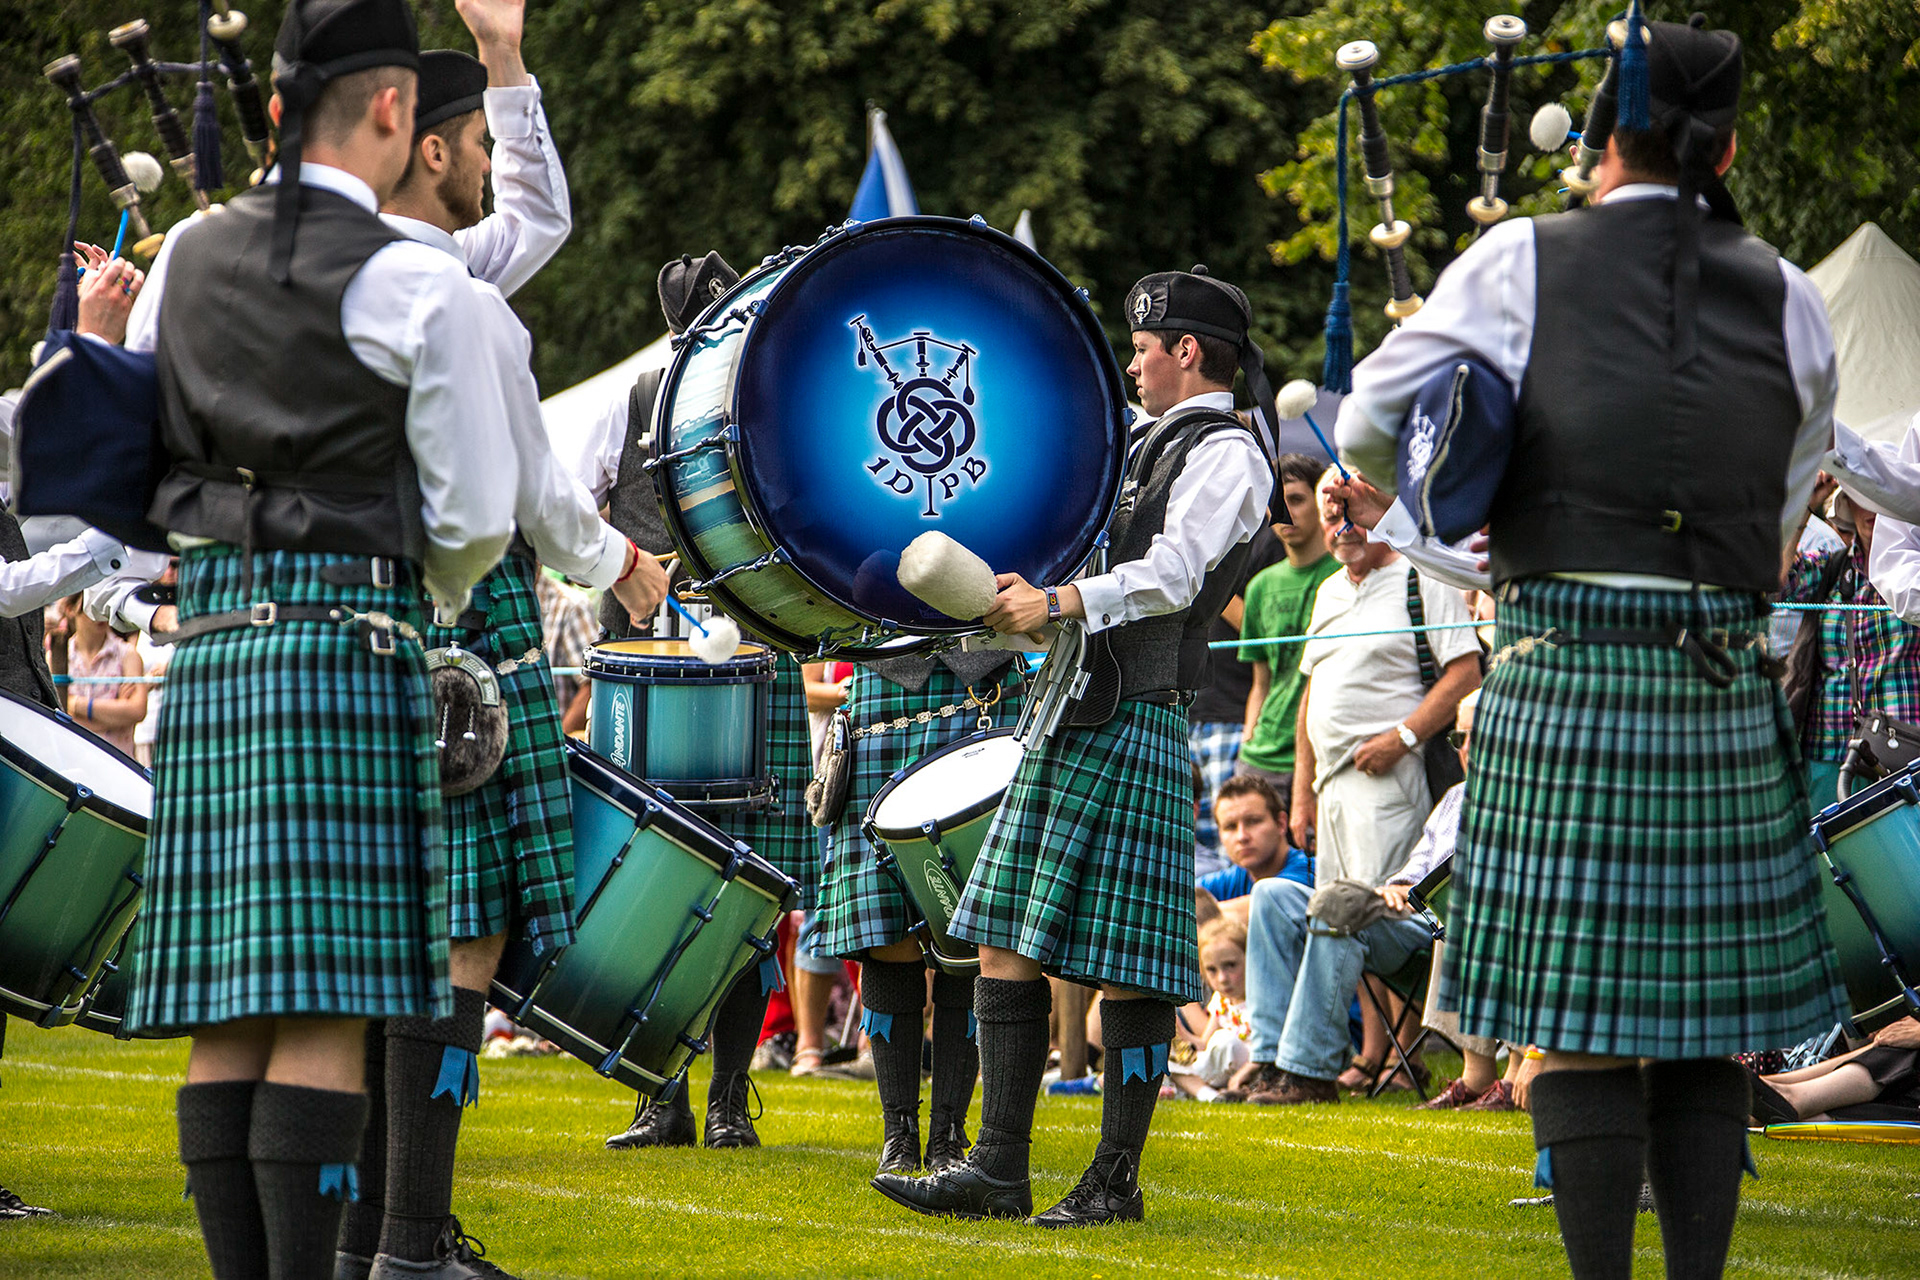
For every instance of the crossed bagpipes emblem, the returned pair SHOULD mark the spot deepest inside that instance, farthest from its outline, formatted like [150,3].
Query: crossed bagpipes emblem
[929,431]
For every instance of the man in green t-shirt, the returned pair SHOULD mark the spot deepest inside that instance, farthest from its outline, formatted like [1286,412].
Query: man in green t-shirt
[1279,602]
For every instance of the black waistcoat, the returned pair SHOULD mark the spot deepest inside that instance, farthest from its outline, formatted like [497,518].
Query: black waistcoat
[1623,463]
[259,376]
[633,504]
[1169,650]
[23,652]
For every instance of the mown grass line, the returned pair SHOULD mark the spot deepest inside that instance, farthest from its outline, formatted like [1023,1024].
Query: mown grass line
[1360,1189]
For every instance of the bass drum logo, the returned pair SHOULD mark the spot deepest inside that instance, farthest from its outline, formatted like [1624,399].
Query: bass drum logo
[926,423]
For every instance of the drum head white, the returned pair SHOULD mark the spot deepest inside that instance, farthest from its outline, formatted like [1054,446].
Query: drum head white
[953,783]
[76,756]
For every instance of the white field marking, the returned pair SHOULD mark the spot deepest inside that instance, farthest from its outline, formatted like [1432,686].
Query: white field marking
[1775,1209]
[97,1073]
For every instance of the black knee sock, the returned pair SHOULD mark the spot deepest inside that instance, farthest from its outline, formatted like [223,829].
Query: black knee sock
[214,1122]
[361,1220]
[894,994]
[1013,1056]
[1135,1034]
[736,1025]
[303,1143]
[1696,1152]
[431,1076]
[1591,1128]
[956,1059]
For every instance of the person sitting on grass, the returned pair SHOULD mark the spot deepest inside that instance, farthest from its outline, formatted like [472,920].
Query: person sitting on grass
[1219,1042]
[1879,1081]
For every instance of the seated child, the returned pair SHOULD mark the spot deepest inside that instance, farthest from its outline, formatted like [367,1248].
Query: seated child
[1220,1041]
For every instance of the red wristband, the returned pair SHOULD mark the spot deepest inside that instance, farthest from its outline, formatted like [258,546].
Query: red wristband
[631,546]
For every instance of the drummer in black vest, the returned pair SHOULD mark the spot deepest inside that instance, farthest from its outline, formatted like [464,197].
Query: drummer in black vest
[334,456]
[1635,883]
[1087,871]
[509,836]
[611,464]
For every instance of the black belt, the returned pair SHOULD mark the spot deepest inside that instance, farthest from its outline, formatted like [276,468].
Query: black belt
[379,572]
[1162,697]
[270,613]
[1706,650]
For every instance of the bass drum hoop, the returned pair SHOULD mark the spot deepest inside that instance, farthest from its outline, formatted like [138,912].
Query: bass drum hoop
[811,648]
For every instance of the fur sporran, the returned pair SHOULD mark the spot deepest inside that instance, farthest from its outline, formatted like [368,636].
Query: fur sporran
[471,720]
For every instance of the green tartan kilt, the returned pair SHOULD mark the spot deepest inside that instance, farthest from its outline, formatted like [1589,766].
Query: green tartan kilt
[1635,875]
[297,864]
[1088,867]
[783,834]
[860,905]
[510,840]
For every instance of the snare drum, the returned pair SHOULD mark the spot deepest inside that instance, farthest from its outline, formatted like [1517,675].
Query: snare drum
[1871,842]
[667,913]
[898,377]
[930,821]
[73,843]
[105,1009]
[698,731]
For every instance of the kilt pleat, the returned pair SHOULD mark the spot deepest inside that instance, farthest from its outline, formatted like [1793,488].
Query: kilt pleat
[783,834]
[297,862]
[1635,874]
[510,840]
[1088,867]
[860,905]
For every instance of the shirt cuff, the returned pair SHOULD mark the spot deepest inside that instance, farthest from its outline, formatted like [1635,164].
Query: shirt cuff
[1396,528]
[513,111]
[109,554]
[610,563]
[1103,600]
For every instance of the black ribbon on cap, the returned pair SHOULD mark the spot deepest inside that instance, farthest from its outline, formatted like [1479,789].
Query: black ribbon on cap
[1693,148]
[299,85]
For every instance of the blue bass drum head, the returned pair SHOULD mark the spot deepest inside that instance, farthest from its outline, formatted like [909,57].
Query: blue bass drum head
[924,373]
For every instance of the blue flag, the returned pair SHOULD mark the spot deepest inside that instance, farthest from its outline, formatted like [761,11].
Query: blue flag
[884,190]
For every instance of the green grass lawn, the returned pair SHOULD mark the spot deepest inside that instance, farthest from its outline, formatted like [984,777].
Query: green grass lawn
[1369,1189]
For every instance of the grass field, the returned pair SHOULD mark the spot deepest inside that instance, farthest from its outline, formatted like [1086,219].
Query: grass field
[86,1126]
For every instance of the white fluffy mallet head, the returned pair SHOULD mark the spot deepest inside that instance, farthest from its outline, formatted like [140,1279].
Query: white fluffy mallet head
[944,574]
[144,170]
[1551,125]
[1296,399]
[718,643]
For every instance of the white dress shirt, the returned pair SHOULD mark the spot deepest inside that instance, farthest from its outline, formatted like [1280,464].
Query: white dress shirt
[1882,477]
[410,316]
[532,211]
[555,512]
[1483,306]
[1219,500]
[70,567]
[593,455]
[1893,562]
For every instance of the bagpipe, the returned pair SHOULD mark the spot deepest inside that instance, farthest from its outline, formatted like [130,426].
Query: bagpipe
[1468,392]
[86,400]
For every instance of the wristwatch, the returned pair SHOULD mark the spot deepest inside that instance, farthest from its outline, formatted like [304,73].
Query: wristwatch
[1053,603]
[1408,738]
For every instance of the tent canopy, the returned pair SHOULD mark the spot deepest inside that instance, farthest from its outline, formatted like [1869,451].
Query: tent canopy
[1872,288]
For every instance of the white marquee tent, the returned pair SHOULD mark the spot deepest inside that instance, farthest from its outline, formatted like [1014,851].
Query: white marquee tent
[1872,288]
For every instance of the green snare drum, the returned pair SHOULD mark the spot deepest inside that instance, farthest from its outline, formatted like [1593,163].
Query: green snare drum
[668,912]
[930,821]
[73,843]
[698,731]
[1871,843]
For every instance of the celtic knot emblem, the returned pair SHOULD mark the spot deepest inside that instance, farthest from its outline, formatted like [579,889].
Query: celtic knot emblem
[927,423]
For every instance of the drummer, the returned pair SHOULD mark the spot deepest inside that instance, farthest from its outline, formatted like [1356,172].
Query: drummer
[610,463]
[902,710]
[1087,872]
[510,838]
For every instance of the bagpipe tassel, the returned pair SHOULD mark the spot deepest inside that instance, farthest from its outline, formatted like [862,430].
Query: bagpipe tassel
[208,173]
[1337,373]
[66,296]
[1635,111]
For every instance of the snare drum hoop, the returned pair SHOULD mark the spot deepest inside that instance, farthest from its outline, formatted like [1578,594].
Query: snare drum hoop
[65,787]
[734,445]
[951,822]
[603,662]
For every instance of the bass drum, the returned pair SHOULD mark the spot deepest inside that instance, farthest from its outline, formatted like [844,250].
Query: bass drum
[900,376]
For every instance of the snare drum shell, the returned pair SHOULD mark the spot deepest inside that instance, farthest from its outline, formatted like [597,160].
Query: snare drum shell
[1874,837]
[699,731]
[64,907]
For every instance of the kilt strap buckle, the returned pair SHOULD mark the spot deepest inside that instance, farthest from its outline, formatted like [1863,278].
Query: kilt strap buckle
[1710,652]
[381,628]
[265,614]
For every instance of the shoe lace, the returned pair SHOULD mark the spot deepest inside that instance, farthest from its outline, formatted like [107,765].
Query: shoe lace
[737,1096]
[457,1245]
[1098,1181]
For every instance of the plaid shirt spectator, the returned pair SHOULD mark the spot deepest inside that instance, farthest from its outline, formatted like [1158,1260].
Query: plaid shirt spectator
[1885,650]
[569,624]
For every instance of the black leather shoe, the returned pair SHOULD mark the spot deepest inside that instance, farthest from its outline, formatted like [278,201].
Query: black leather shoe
[657,1125]
[728,1122]
[351,1266]
[457,1256]
[961,1191]
[900,1149]
[12,1206]
[946,1143]
[1109,1191]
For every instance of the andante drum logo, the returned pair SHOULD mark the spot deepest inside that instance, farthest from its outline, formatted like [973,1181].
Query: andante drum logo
[941,888]
[926,425]
[620,750]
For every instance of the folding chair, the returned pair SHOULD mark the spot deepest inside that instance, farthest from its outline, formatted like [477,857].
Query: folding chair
[1409,982]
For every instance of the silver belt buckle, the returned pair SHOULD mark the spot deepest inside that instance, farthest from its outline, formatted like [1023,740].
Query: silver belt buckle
[382,574]
[265,614]
[380,640]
